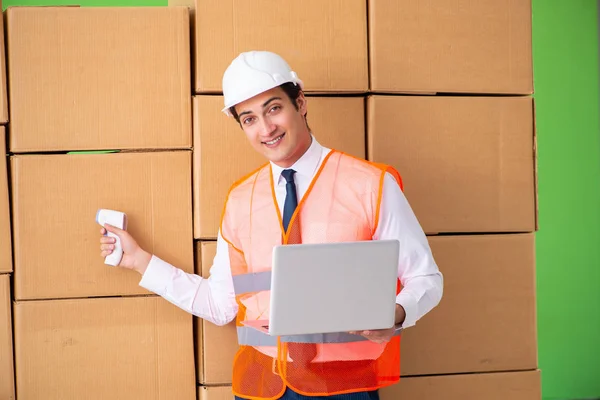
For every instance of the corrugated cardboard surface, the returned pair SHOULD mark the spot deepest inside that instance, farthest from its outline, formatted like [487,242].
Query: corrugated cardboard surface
[467,162]
[99,78]
[325,42]
[495,386]
[216,346]
[7,383]
[5,230]
[215,393]
[222,154]
[3,88]
[480,46]
[486,320]
[56,197]
[125,348]
[186,3]
[205,253]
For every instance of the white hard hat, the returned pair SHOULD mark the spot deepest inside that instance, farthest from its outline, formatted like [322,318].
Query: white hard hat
[252,73]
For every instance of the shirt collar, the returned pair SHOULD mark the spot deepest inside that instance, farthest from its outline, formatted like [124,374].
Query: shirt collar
[306,165]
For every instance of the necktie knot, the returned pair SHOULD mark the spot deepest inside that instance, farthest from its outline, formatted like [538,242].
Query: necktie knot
[288,174]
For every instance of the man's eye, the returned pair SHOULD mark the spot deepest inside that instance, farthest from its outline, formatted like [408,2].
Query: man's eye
[275,108]
[247,121]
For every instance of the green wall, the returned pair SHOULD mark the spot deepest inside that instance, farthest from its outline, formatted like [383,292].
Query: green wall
[87,3]
[565,48]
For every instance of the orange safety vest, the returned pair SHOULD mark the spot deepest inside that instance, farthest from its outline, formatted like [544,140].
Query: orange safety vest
[341,204]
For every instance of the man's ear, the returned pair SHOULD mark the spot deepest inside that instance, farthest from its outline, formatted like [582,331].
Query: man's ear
[301,102]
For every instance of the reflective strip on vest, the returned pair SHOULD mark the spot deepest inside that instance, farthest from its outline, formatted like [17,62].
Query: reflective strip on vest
[252,337]
[253,282]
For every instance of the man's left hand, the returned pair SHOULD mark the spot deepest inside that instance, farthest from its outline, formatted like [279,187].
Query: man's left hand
[378,335]
[384,335]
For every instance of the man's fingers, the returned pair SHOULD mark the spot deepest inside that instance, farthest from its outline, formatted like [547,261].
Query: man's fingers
[113,229]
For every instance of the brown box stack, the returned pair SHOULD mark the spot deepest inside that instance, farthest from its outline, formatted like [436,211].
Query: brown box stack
[216,346]
[468,164]
[7,373]
[467,158]
[83,328]
[495,386]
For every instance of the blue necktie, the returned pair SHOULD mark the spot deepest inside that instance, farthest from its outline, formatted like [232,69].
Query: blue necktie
[291,201]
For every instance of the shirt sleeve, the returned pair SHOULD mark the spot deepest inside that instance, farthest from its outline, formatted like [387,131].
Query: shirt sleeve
[212,299]
[417,270]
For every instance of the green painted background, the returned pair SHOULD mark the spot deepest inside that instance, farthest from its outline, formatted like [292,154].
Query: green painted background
[565,47]
[87,3]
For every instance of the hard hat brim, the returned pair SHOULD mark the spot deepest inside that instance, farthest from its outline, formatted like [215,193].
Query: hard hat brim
[295,81]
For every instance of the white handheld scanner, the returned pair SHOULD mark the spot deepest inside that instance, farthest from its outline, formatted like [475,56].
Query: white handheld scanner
[114,218]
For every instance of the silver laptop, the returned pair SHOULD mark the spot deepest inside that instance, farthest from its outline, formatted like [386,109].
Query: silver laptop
[332,287]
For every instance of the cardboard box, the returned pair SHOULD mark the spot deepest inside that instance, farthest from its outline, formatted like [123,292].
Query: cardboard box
[126,348]
[222,154]
[481,46]
[7,383]
[57,239]
[5,226]
[324,42]
[3,88]
[216,346]
[205,253]
[486,320]
[468,163]
[495,386]
[101,78]
[215,393]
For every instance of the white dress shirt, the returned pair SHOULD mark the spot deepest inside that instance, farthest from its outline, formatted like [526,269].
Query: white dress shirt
[213,298]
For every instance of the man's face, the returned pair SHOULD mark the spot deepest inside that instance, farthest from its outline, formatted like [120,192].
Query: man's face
[274,127]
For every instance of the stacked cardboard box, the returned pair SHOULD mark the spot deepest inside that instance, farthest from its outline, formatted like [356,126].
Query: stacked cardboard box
[449,108]
[324,41]
[329,52]
[498,386]
[448,104]
[216,346]
[7,378]
[439,91]
[115,79]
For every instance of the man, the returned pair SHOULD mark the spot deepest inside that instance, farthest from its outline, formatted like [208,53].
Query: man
[306,193]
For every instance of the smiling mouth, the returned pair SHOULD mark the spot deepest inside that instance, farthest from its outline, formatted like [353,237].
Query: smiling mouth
[277,139]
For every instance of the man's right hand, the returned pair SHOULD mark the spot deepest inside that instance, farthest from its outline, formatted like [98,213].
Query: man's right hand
[134,257]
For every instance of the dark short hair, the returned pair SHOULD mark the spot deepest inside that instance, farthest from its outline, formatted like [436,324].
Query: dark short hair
[293,92]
